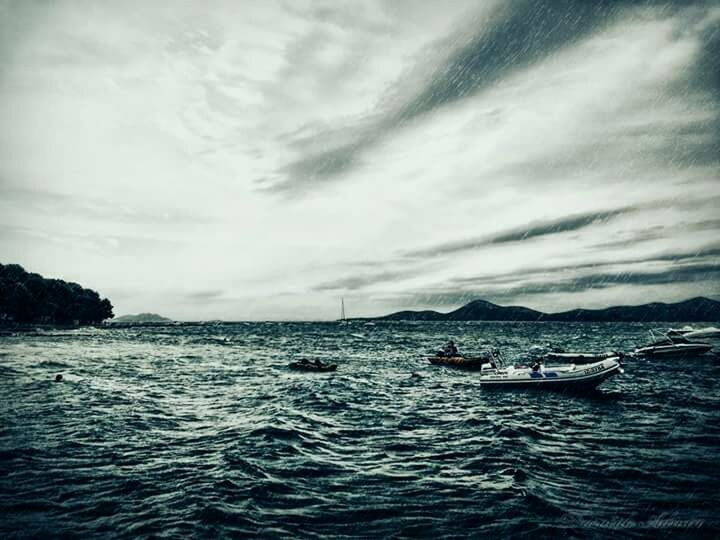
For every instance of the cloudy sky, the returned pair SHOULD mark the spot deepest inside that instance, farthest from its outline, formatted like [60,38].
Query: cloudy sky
[261,160]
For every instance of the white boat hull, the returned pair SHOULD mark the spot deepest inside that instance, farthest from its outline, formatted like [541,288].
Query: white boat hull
[570,377]
[678,350]
[705,333]
[578,358]
[692,333]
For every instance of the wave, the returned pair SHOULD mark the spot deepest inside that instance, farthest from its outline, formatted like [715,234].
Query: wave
[203,432]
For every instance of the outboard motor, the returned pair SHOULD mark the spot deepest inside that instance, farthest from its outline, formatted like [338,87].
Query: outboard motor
[621,357]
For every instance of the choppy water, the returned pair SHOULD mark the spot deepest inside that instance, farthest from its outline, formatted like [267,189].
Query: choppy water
[203,432]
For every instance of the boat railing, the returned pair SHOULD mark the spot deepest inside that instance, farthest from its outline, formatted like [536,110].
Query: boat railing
[498,357]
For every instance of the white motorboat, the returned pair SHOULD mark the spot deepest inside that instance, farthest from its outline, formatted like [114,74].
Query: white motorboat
[565,378]
[692,333]
[675,332]
[673,347]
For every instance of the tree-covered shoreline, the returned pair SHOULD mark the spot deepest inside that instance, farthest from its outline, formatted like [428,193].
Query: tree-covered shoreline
[29,298]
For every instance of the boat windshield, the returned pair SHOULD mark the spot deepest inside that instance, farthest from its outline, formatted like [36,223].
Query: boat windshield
[669,341]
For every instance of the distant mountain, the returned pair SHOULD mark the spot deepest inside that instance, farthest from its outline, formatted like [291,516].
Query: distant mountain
[480,310]
[414,316]
[140,318]
[694,310]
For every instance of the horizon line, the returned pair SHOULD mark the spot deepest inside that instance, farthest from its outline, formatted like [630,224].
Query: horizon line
[372,317]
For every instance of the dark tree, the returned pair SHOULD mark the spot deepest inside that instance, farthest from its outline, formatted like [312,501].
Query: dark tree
[30,298]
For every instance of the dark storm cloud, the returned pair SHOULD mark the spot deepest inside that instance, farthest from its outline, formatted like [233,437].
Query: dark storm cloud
[362,280]
[707,74]
[516,36]
[691,273]
[706,225]
[659,143]
[520,34]
[572,223]
[674,274]
[525,232]
[707,256]
[575,222]
[525,32]
[657,232]
[683,275]
[330,163]
[637,237]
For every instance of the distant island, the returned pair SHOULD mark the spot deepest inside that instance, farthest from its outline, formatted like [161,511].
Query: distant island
[694,310]
[27,298]
[141,318]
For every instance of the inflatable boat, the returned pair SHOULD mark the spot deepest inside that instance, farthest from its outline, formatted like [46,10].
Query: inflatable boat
[462,362]
[566,378]
[578,357]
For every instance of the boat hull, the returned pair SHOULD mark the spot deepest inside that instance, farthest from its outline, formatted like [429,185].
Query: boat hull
[568,378]
[691,333]
[578,358]
[674,351]
[459,362]
[297,366]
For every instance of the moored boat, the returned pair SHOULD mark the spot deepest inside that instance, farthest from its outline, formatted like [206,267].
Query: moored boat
[673,347]
[458,361]
[692,333]
[674,332]
[315,366]
[579,357]
[564,378]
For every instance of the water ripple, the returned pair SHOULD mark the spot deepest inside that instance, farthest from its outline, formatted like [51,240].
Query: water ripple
[204,432]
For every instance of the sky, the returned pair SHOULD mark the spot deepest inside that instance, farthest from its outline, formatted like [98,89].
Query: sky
[261,160]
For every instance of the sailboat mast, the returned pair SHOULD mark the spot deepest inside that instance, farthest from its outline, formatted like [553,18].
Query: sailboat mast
[342,309]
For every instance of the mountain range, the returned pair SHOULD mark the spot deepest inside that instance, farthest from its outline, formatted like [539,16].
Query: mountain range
[140,318]
[698,309]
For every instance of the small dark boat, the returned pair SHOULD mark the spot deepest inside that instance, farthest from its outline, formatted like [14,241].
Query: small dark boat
[316,365]
[462,362]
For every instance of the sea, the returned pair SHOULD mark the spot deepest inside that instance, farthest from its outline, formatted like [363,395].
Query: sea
[203,432]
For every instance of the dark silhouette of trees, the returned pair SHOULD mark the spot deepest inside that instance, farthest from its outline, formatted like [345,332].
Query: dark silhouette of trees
[30,298]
